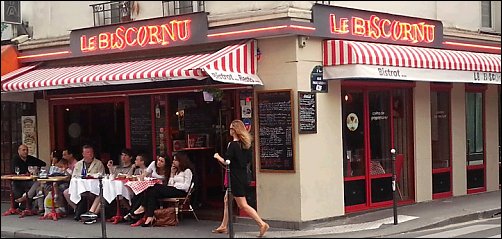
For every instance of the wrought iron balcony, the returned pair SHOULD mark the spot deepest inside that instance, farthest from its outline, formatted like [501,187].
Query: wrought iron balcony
[172,8]
[323,2]
[111,12]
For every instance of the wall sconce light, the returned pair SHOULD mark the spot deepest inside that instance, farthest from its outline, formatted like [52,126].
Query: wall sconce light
[302,41]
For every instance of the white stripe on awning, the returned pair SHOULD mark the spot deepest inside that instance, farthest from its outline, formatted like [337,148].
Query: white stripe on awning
[221,66]
[337,53]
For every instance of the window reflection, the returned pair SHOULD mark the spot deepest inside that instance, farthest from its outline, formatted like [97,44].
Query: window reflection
[440,129]
[353,134]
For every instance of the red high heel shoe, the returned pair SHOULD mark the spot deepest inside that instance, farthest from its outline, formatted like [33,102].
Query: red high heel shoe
[139,222]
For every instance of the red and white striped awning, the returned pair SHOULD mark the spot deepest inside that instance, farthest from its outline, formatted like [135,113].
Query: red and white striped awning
[349,60]
[233,64]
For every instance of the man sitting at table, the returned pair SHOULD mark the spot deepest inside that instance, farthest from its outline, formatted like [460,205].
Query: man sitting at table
[126,166]
[22,160]
[92,166]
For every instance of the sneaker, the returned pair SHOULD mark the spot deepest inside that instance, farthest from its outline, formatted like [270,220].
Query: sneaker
[40,194]
[89,215]
[90,221]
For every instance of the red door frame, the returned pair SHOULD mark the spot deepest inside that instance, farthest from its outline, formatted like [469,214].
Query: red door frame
[470,88]
[366,87]
[445,88]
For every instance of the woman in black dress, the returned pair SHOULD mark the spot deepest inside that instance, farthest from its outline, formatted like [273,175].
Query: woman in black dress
[239,153]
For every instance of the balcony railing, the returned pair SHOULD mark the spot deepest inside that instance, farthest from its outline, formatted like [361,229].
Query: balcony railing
[111,12]
[172,8]
[323,2]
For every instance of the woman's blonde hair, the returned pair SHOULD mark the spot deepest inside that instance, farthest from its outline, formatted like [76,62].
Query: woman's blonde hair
[242,133]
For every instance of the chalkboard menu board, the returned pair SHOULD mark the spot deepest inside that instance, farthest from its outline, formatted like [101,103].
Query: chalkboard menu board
[307,113]
[141,123]
[275,124]
[198,120]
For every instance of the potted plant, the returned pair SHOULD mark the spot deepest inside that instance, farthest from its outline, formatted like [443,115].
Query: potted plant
[212,93]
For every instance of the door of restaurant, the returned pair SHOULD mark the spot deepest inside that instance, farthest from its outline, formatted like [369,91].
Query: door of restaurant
[376,121]
[475,138]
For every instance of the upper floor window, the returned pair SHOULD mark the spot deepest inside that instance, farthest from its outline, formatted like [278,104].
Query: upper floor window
[111,12]
[323,2]
[171,8]
[486,14]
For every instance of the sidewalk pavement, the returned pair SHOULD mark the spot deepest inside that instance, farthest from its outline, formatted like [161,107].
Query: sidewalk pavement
[366,224]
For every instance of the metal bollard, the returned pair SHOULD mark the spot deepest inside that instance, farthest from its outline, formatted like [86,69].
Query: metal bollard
[394,179]
[102,199]
[230,199]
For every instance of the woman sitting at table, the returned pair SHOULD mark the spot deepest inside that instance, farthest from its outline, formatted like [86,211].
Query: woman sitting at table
[159,169]
[177,186]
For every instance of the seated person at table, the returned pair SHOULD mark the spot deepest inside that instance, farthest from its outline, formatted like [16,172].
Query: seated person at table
[126,166]
[159,169]
[22,160]
[139,169]
[124,170]
[70,156]
[58,166]
[177,186]
[140,164]
[92,166]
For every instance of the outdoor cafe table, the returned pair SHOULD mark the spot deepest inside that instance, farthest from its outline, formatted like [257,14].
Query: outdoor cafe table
[111,189]
[55,179]
[12,209]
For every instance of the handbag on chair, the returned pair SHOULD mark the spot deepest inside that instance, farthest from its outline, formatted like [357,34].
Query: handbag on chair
[165,217]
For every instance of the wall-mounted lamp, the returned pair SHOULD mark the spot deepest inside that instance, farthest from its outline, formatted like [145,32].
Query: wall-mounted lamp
[302,41]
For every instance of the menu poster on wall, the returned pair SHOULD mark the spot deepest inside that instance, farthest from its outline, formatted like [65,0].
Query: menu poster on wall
[141,123]
[275,121]
[307,113]
[29,131]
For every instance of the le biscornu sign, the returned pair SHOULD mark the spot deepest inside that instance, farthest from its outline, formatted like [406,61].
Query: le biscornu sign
[360,25]
[140,35]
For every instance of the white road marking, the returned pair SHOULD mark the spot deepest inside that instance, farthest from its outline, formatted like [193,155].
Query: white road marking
[460,231]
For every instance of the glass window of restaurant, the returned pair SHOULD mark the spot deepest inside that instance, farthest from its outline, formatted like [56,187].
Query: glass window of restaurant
[441,140]
[474,111]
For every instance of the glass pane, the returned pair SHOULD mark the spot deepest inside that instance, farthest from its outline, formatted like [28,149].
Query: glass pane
[474,124]
[353,134]
[486,14]
[380,142]
[440,127]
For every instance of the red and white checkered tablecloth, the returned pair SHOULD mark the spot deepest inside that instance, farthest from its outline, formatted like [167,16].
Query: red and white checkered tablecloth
[140,186]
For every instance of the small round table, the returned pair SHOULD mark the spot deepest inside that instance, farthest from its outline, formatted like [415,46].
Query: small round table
[12,209]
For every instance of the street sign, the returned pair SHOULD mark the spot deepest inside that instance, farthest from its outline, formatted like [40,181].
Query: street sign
[317,83]
[12,12]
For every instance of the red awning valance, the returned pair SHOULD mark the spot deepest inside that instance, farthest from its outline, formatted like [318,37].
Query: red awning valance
[349,59]
[232,64]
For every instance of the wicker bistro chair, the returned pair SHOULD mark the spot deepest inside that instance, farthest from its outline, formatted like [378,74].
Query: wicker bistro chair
[181,204]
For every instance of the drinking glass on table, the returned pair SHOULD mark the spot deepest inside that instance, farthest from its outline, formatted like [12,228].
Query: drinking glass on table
[31,170]
[17,170]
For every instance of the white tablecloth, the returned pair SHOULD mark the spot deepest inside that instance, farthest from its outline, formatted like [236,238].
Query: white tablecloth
[111,189]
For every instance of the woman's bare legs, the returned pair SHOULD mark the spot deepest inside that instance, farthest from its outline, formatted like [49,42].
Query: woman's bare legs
[243,205]
[95,205]
[224,221]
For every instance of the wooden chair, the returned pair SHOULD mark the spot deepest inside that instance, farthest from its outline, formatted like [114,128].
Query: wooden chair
[181,204]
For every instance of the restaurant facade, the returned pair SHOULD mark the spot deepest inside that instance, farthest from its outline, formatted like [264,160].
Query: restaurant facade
[326,100]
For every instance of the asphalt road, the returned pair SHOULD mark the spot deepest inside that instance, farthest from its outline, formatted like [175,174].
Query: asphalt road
[483,228]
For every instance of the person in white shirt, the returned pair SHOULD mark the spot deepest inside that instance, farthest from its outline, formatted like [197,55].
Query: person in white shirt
[159,169]
[177,186]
